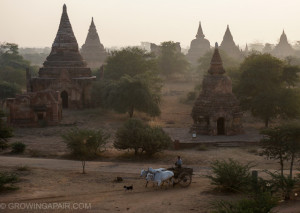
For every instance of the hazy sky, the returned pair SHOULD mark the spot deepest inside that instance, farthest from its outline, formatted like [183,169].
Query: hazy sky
[34,23]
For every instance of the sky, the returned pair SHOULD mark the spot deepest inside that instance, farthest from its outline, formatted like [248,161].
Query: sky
[34,23]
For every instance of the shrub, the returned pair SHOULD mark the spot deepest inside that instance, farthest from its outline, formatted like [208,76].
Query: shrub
[230,176]
[85,144]
[23,168]
[154,140]
[283,184]
[7,181]
[5,132]
[260,203]
[3,145]
[141,138]
[18,147]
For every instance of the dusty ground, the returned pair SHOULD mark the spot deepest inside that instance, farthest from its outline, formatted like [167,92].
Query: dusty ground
[59,181]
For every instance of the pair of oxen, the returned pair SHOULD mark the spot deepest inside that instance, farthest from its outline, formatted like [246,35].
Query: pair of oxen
[158,176]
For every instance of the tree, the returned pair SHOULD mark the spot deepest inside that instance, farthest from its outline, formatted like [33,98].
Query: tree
[265,89]
[85,144]
[129,135]
[5,132]
[12,65]
[129,61]
[130,94]
[141,138]
[170,60]
[130,83]
[8,90]
[282,143]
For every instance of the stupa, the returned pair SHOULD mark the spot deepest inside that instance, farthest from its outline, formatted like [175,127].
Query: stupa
[228,45]
[65,70]
[283,48]
[92,50]
[198,48]
[216,110]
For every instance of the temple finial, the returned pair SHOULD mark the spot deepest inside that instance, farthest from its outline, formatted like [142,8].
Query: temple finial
[64,8]
[200,31]
[216,45]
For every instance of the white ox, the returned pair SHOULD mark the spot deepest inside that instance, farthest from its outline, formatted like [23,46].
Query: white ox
[145,172]
[160,177]
[150,170]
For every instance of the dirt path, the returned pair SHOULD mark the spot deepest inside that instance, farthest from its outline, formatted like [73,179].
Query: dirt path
[112,167]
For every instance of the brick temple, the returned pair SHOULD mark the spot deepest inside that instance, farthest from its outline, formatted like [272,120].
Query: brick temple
[216,110]
[283,48]
[92,50]
[34,109]
[228,45]
[199,46]
[65,70]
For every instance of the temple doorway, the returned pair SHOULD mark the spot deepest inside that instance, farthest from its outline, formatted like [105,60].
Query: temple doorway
[64,98]
[221,126]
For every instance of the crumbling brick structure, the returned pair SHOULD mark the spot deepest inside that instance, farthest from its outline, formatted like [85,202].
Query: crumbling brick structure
[217,111]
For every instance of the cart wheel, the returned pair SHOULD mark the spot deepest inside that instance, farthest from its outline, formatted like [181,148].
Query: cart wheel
[185,179]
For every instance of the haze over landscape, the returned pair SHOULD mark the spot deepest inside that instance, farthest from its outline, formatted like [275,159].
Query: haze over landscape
[33,23]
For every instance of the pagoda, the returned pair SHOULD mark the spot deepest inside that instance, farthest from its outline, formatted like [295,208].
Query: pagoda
[283,48]
[228,45]
[216,110]
[65,70]
[198,48]
[92,50]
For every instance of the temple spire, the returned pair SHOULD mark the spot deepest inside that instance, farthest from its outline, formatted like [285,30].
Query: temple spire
[216,65]
[200,32]
[65,46]
[227,35]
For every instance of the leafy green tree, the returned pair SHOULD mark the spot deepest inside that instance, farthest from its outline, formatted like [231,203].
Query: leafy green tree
[170,60]
[12,64]
[5,132]
[141,138]
[129,136]
[130,94]
[85,144]
[264,89]
[8,90]
[129,61]
[155,140]
[282,143]
[130,83]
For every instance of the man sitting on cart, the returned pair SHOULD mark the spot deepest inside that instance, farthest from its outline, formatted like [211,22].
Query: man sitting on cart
[178,163]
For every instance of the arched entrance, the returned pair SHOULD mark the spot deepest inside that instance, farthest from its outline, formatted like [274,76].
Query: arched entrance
[221,126]
[65,100]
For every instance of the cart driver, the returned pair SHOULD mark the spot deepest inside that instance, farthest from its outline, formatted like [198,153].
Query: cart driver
[178,163]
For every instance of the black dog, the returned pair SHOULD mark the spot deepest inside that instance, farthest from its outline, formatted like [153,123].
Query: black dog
[128,188]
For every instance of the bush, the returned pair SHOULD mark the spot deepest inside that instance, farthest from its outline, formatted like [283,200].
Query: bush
[5,132]
[230,176]
[85,142]
[261,203]
[18,147]
[7,180]
[154,140]
[3,145]
[141,138]
[283,184]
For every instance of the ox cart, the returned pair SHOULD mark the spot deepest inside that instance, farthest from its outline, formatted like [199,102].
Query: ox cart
[182,176]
